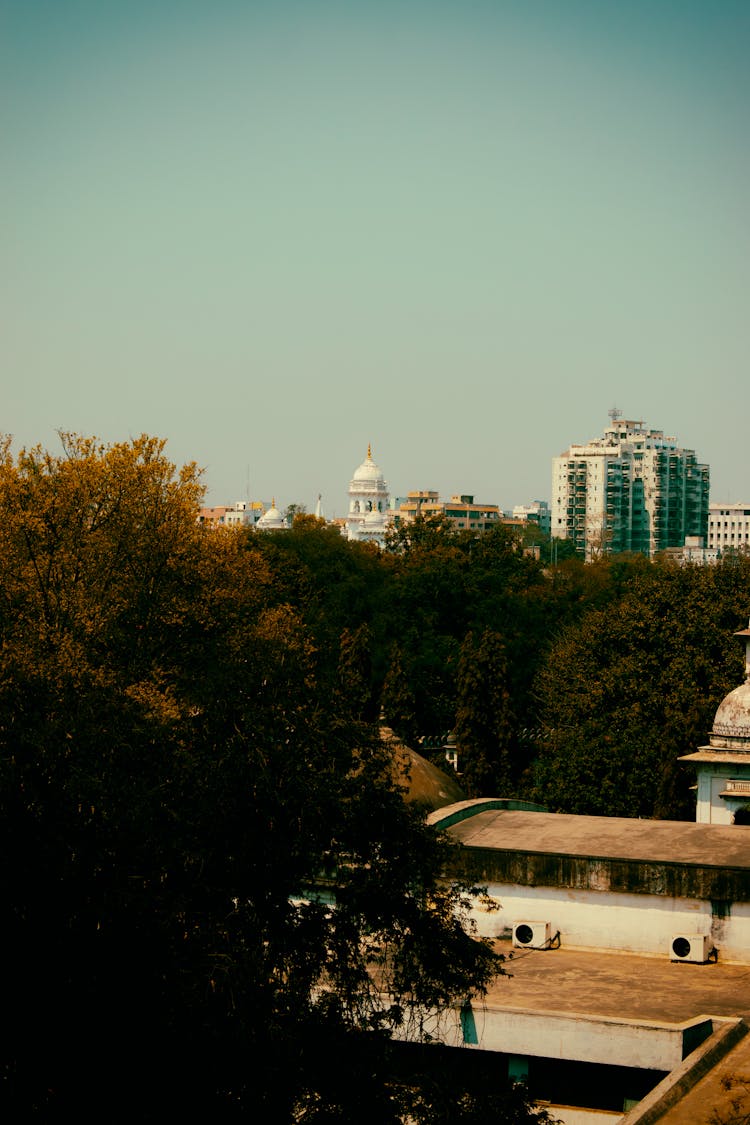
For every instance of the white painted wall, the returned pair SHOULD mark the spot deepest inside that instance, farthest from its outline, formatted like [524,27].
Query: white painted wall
[643,1044]
[712,778]
[605,920]
[572,1115]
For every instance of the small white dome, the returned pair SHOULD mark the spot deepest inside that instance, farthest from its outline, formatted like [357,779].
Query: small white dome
[271,520]
[731,729]
[368,472]
[732,720]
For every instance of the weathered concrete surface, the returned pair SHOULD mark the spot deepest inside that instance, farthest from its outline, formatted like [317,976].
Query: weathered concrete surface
[680,859]
[620,985]
[630,988]
[574,1037]
[707,1083]
[606,836]
[613,922]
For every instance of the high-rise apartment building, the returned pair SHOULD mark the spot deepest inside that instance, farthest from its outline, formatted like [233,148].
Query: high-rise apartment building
[631,490]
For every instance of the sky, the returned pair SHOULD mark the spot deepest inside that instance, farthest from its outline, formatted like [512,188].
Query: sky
[274,231]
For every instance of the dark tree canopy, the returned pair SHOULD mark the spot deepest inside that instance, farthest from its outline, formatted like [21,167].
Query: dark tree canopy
[631,686]
[485,725]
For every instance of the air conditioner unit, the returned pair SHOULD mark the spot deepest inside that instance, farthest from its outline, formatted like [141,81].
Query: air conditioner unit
[690,947]
[531,935]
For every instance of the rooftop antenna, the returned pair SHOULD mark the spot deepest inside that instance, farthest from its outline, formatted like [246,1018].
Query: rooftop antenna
[614,414]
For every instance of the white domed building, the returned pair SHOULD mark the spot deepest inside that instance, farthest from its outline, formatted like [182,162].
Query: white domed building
[368,503]
[723,767]
[272,520]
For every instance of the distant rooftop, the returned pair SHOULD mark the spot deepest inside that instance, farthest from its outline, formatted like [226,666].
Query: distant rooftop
[615,838]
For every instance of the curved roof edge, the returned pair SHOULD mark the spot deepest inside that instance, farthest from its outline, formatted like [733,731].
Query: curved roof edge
[462,810]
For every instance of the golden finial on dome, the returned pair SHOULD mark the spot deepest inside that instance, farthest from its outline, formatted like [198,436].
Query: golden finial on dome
[369,452]
[273,501]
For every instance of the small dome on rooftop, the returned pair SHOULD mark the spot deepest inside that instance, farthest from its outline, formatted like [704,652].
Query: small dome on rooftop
[732,719]
[731,727]
[420,781]
[272,519]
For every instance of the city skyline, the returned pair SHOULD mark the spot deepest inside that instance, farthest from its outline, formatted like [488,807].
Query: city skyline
[271,234]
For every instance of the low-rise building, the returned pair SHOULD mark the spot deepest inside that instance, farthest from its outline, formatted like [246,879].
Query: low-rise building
[604,883]
[728,528]
[693,551]
[537,512]
[462,510]
[723,765]
[245,513]
[628,944]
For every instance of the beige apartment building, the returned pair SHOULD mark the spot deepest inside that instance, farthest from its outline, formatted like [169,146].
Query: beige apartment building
[729,527]
[461,510]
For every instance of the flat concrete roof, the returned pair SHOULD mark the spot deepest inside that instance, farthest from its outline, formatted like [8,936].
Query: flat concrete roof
[603,837]
[721,757]
[627,987]
[619,985]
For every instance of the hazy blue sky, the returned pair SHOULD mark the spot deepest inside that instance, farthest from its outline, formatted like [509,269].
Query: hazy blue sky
[271,232]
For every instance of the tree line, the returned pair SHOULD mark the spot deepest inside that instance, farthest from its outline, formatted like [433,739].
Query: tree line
[574,685]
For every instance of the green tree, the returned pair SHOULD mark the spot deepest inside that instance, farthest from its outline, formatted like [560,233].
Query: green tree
[635,684]
[335,585]
[293,512]
[355,672]
[426,607]
[484,718]
[424,534]
[399,699]
[556,550]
